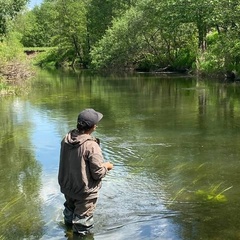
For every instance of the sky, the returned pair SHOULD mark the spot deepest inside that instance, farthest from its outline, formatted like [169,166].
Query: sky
[34,2]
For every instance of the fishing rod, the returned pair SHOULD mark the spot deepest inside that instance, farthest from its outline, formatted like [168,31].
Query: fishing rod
[134,166]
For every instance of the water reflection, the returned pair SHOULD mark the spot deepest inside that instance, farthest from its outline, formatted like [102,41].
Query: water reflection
[20,176]
[174,143]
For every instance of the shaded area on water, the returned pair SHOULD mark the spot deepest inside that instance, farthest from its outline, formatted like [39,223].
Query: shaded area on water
[174,143]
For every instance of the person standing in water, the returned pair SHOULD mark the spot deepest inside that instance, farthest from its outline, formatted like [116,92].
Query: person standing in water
[81,170]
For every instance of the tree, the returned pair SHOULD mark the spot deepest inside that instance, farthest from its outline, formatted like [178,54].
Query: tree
[146,34]
[71,29]
[8,10]
[37,26]
[100,15]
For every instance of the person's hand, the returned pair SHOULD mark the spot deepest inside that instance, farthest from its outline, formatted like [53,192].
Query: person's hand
[108,165]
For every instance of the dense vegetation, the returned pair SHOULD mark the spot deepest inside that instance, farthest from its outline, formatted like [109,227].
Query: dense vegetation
[13,70]
[149,35]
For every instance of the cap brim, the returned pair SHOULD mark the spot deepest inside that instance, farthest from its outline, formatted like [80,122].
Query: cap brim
[100,116]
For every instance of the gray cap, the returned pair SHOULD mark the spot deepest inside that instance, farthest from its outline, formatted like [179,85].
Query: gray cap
[90,117]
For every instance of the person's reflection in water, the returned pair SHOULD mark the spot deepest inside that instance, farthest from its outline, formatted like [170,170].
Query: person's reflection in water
[87,237]
[81,170]
[70,235]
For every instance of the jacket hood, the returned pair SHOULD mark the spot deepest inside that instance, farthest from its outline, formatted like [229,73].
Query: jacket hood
[74,138]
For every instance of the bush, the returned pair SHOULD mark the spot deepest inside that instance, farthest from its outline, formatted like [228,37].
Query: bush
[11,48]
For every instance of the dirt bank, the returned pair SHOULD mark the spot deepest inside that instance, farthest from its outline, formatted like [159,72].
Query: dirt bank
[13,76]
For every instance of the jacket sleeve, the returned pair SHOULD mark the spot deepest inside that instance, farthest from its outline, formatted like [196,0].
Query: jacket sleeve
[95,158]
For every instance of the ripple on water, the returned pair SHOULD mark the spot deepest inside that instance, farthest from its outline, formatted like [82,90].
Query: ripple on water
[129,203]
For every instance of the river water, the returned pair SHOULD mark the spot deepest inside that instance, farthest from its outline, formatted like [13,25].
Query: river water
[173,140]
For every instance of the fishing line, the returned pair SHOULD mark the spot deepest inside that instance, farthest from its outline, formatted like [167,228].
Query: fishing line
[133,166]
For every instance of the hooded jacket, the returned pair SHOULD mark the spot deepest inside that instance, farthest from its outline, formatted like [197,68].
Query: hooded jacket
[81,166]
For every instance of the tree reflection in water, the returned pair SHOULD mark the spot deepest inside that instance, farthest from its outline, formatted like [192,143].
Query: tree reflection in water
[20,215]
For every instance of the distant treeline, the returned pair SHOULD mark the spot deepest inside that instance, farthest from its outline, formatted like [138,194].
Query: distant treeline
[169,35]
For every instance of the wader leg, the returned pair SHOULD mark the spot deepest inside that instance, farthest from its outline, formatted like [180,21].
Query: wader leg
[82,225]
[68,215]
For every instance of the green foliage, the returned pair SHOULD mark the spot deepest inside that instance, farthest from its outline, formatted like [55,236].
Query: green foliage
[119,45]
[8,10]
[49,57]
[71,28]
[10,48]
[4,87]
[14,70]
[38,25]
[142,34]
[100,15]
[209,63]
[172,32]
[222,53]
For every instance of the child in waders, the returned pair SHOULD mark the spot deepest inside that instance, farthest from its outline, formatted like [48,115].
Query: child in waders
[81,170]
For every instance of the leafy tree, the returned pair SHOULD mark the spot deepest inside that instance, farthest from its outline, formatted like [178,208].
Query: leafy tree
[8,10]
[71,29]
[38,25]
[175,33]
[144,34]
[100,15]
[223,43]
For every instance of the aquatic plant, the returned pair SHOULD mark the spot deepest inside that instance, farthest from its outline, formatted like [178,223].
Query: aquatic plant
[213,194]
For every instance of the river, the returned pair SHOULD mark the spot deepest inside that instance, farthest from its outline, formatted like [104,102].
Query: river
[173,140]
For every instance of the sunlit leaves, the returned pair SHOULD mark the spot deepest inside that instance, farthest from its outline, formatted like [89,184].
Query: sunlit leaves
[120,42]
[138,32]
[147,29]
[166,31]
[8,10]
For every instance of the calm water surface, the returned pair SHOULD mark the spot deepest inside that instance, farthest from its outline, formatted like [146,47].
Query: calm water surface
[174,142]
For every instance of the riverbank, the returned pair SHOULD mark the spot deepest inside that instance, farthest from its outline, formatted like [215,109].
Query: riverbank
[14,76]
